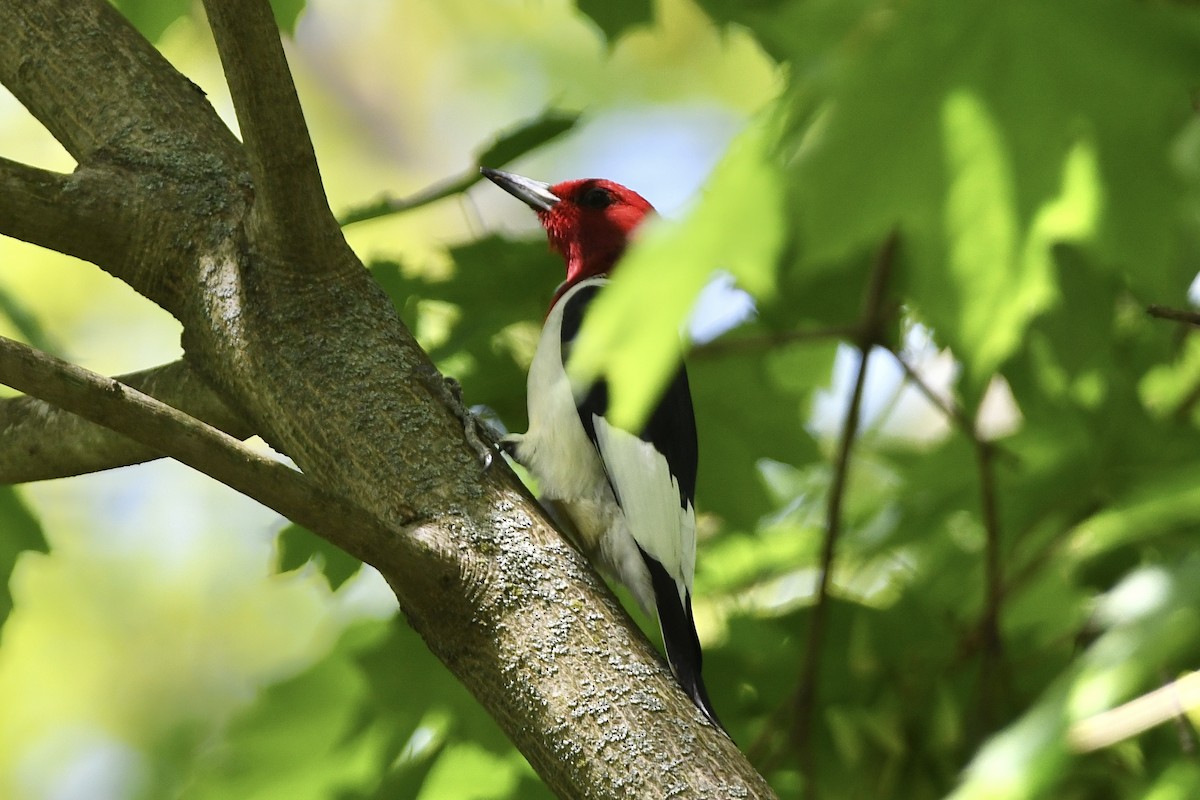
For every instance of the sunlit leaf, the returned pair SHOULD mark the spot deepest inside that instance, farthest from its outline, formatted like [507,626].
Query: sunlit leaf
[999,152]
[299,546]
[632,333]
[294,741]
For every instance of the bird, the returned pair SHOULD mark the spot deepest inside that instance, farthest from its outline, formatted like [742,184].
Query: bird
[630,495]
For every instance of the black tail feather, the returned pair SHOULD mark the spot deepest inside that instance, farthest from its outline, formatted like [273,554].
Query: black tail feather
[679,637]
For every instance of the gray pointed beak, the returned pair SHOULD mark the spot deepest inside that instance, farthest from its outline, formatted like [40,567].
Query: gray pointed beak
[535,194]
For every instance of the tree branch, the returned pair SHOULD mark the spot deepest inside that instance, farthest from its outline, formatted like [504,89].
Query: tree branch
[146,105]
[870,330]
[325,371]
[289,201]
[991,659]
[737,345]
[154,157]
[155,425]
[990,641]
[1173,700]
[39,441]
[70,214]
[395,205]
[1175,314]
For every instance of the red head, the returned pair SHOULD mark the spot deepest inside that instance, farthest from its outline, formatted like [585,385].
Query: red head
[588,221]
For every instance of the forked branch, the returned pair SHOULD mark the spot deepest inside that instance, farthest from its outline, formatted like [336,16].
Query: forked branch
[110,403]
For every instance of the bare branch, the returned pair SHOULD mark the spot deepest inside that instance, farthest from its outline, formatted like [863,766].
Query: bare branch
[988,631]
[146,104]
[1176,314]
[1172,701]
[289,199]
[140,417]
[991,645]
[396,205]
[738,345]
[41,441]
[948,407]
[65,213]
[870,329]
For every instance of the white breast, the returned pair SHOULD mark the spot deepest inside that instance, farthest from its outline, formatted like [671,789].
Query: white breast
[556,448]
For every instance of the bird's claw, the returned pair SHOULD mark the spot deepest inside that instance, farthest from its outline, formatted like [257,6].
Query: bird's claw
[479,437]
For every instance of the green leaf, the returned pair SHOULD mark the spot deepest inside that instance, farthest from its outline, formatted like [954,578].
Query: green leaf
[153,17]
[614,17]
[1152,618]
[299,546]
[287,13]
[296,740]
[749,408]
[632,334]
[1000,281]
[19,531]
[1009,141]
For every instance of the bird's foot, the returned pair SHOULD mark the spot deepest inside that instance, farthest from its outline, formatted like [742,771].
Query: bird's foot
[481,437]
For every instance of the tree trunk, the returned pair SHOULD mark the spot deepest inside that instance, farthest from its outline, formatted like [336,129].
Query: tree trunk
[287,335]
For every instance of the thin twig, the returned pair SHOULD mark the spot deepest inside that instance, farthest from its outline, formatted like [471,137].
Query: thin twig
[992,653]
[505,148]
[395,205]
[870,333]
[806,696]
[950,409]
[1173,700]
[1175,314]
[988,631]
[156,425]
[737,346]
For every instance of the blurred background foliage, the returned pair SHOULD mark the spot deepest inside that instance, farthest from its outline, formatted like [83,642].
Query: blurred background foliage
[1023,496]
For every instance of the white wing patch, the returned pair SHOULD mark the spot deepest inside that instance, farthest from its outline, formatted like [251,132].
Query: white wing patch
[649,497]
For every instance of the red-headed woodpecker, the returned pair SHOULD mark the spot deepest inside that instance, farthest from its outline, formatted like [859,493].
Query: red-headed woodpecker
[629,495]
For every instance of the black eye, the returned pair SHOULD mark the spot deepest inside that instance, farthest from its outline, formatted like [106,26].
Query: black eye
[596,197]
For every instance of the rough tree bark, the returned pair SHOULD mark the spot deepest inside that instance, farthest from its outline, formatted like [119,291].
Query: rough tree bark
[286,335]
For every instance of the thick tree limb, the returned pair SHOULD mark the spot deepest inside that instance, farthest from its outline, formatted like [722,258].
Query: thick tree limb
[72,214]
[289,200]
[39,441]
[52,53]
[140,417]
[305,345]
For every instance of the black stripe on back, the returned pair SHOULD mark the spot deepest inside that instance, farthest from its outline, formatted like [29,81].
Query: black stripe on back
[671,429]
